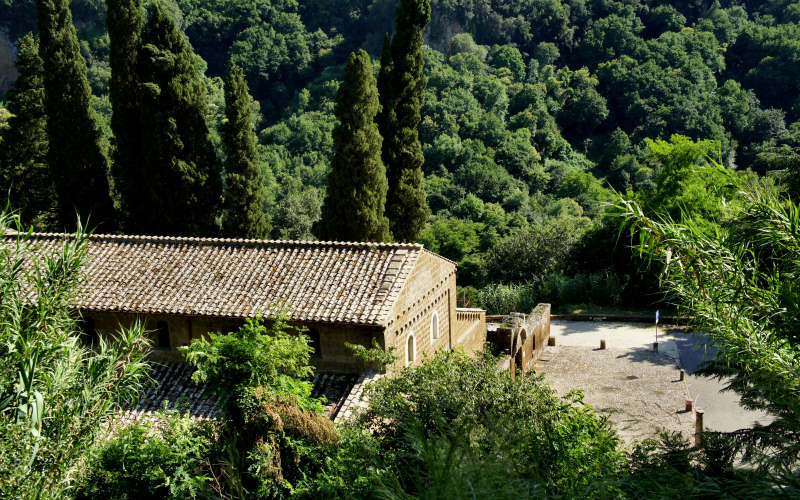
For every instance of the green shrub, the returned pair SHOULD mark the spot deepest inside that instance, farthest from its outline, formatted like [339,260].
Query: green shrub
[56,394]
[275,431]
[457,427]
[603,288]
[152,460]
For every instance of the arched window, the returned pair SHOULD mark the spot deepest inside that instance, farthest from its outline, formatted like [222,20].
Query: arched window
[434,326]
[411,349]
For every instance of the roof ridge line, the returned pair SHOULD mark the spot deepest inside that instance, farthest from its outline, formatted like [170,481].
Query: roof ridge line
[240,241]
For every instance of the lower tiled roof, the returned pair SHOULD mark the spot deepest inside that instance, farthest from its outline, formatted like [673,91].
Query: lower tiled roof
[173,389]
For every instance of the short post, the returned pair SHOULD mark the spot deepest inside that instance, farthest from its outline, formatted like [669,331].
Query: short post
[698,427]
[683,374]
[689,405]
[655,346]
[551,341]
[602,344]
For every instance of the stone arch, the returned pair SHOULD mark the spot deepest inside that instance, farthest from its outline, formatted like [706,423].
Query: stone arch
[520,357]
[434,327]
[411,349]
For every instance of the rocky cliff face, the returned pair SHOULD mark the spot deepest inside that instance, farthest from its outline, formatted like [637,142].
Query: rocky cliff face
[441,29]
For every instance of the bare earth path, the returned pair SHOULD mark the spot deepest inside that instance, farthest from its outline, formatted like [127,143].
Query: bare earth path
[638,389]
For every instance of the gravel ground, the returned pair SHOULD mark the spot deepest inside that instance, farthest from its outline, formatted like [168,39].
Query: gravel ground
[637,389]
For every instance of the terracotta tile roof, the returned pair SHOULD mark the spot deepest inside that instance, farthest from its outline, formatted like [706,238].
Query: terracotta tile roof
[327,282]
[173,389]
[335,388]
[355,400]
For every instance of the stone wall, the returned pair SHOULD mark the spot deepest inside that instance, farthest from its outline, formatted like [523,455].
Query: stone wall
[470,329]
[429,294]
[521,338]
[334,356]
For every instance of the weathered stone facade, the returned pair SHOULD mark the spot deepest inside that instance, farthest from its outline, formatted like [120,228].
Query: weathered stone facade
[400,295]
[520,338]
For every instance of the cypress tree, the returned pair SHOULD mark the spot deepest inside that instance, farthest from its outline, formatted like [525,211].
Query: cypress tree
[124,19]
[183,184]
[77,149]
[386,117]
[354,206]
[245,185]
[403,88]
[24,159]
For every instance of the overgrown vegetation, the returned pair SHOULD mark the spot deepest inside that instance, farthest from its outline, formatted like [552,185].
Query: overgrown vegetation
[57,394]
[739,284]
[457,427]
[529,112]
[504,124]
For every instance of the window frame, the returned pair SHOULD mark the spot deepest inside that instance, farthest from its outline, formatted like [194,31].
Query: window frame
[411,354]
[435,319]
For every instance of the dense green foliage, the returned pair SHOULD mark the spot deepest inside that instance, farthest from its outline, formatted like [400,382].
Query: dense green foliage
[245,185]
[402,89]
[740,284]
[183,176]
[57,394]
[530,111]
[23,165]
[124,20]
[77,149]
[356,200]
[457,427]
[276,433]
[148,459]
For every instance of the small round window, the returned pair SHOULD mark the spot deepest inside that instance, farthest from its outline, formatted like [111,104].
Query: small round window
[434,326]
[411,350]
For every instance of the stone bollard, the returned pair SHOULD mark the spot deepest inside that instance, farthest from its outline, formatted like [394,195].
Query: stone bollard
[602,345]
[551,341]
[683,374]
[698,427]
[689,405]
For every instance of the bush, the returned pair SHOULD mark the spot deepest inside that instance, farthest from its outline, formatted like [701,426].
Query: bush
[457,427]
[56,393]
[503,299]
[536,251]
[167,459]
[276,432]
[603,288]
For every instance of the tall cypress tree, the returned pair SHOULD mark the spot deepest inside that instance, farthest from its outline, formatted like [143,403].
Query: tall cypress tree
[77,149]
[354,207]
[183,184]
[24,157]
[403,88]
[125,19]
[245,185]
[386,118]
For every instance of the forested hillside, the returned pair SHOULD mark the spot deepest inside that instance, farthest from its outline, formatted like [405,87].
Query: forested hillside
[534,111]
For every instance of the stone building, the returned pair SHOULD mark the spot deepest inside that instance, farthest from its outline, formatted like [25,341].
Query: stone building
[401,295]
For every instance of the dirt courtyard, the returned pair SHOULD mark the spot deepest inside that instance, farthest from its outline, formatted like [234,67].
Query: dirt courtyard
[638,390]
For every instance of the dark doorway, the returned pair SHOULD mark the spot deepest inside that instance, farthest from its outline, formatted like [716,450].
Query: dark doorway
[162,331]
